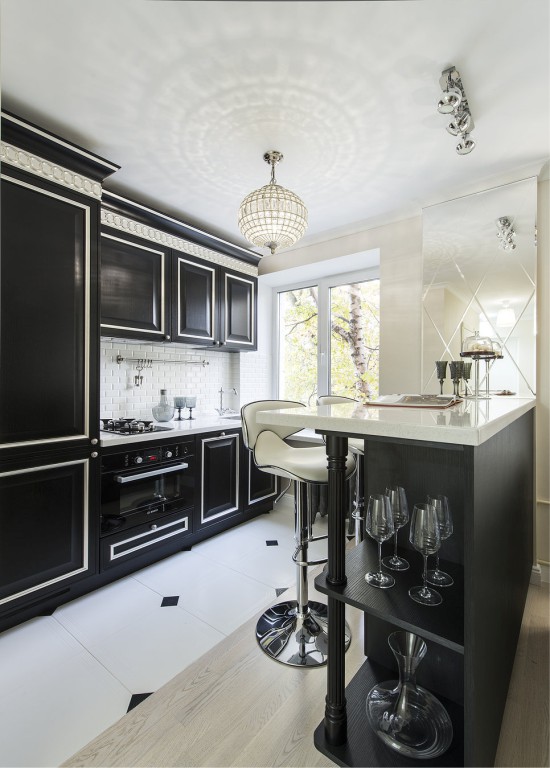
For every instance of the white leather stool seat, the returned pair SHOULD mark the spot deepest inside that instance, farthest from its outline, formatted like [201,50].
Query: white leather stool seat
[303,464]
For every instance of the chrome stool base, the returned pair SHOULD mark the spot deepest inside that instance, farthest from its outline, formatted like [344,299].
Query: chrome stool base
[298,641]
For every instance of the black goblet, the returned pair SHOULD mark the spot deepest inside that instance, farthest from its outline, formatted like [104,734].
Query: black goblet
[441,368]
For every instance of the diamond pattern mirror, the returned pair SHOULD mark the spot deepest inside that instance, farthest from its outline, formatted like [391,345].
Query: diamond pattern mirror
[479,270]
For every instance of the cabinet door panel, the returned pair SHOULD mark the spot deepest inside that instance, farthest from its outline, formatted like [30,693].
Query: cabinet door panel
[194,302]
[261,485]
[219,477]
[44,315]
[43,527]
[133,300]
[239,311]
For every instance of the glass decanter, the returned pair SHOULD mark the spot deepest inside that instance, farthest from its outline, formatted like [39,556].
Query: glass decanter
[163,411]
[405,716]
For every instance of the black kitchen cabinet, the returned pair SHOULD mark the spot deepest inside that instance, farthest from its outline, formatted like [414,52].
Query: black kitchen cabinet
[212,305]
[159,284]
[219,500]
[260,488]
[49,398]
[47,530]
[135,299]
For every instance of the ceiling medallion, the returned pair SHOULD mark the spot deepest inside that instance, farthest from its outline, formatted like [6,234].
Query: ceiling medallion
[272,216]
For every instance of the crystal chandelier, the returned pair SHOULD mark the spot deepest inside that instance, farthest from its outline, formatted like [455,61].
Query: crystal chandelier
[272,216]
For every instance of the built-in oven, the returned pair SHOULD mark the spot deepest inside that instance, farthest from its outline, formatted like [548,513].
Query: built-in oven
[147,496]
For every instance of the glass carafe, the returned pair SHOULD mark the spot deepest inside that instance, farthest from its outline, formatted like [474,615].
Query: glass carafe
[163,411]
[406,717]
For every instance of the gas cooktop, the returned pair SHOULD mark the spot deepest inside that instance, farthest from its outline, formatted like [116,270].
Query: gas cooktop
[131,426]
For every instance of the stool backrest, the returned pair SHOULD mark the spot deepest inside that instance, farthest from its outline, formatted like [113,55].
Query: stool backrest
[334,400]
[252,428]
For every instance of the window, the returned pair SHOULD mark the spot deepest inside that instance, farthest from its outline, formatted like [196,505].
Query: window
[329,338]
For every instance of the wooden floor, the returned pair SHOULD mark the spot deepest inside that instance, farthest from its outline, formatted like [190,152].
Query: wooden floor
[235,707]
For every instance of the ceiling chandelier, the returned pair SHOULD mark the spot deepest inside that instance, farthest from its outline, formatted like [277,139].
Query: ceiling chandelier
[453,102]
[272,216]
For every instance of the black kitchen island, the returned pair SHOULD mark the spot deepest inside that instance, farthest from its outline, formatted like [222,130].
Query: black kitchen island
[480,455]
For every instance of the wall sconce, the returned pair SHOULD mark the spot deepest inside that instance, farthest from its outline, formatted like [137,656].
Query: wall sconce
[506,234]
[453,102]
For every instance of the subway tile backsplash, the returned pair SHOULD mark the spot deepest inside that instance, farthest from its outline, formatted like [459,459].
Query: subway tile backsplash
[180,371]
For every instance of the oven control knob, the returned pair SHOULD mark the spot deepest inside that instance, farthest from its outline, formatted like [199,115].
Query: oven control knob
[153,527]
[168,454]
[138,460]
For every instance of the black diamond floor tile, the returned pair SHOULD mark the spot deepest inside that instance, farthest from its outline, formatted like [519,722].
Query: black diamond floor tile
[136,699]
[272,543]
[280,590]
[168,601]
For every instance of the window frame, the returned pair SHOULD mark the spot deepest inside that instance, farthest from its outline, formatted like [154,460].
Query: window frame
[324,284]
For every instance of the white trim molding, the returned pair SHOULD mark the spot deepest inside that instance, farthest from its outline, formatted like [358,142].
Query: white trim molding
[125,224]
[36,165]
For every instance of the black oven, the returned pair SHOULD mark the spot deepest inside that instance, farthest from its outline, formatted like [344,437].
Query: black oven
[142,485]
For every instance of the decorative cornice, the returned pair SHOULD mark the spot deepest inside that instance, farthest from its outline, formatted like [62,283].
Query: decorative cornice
[125,224]
[26,161]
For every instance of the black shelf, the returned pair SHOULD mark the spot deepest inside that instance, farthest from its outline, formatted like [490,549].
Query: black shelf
[363,747]
[443,624]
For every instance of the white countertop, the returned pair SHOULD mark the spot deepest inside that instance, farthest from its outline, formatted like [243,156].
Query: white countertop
[185,428]
[468,423]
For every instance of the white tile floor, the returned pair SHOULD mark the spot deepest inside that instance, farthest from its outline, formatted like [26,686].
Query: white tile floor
[65,678]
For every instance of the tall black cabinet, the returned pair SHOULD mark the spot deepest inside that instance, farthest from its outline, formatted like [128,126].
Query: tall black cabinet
[49,471]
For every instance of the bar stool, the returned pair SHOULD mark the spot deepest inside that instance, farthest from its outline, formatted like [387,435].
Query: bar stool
[293,632]
[356,446]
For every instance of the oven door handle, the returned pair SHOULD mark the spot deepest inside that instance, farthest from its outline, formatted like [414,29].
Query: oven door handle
[153,473]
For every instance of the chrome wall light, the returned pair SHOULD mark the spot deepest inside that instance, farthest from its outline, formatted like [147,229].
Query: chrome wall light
[272,216]
[506,234]
[453,102]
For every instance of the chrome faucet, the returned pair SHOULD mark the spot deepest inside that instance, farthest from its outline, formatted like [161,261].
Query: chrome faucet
[221,410]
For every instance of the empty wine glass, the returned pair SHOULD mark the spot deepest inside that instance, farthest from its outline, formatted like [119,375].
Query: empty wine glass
[379,526]
[441,369]
[190,402]
[456,368]
[179,403]
[425,538]
[400,509]
[441,503]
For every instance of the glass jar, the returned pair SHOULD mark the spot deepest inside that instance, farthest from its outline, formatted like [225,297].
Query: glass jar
[163,411]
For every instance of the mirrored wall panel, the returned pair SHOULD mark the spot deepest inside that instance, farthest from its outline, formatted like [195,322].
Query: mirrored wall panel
[479,269]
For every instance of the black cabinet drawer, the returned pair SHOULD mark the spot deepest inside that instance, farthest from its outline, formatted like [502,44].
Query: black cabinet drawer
[165,532]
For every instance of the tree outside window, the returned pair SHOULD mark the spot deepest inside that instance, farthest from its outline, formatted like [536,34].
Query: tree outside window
[337,355]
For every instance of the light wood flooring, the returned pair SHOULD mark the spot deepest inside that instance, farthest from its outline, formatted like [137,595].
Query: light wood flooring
[235,707]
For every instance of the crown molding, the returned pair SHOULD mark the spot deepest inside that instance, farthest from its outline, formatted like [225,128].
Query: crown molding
[31,163]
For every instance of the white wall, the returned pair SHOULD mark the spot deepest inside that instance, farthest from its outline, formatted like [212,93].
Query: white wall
[543,375]
[400,247]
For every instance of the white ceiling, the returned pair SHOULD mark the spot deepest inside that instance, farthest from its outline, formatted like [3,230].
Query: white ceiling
[187,96]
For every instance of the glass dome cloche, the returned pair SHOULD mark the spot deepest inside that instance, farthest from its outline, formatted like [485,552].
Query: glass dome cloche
[477,346]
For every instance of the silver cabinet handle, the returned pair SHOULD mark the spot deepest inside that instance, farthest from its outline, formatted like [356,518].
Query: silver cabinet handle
[142,475]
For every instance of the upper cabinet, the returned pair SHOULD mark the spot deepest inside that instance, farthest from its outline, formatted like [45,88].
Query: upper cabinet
[158,286]
[212,306]
[134,280]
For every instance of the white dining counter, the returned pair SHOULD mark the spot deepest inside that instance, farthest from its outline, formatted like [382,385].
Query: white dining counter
[470,422]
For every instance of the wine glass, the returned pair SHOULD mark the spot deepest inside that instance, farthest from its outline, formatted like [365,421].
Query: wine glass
[379,525]
[456,368]
[425,537]
[441,503]
[179,403]
[190,402]
[400,509]
[441,368]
